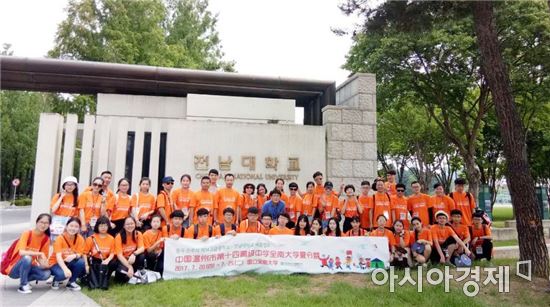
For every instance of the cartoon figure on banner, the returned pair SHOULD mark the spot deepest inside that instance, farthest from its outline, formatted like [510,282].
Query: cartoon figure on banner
[324,261]
[348,260]
[331,263]
[338,263]
[362,263]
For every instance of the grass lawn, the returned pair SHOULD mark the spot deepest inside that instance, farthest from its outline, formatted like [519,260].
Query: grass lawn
[501,214]
[317,290]
[505,243]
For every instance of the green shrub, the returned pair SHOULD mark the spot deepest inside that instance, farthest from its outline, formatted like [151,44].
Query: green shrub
[23,202]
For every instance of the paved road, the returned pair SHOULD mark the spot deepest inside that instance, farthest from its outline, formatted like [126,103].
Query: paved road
[12,222]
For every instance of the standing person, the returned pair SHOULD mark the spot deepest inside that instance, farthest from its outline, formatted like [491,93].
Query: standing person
[29,260]
[482,245]
[65,203]
[280,185]
[251,223]
[165,205]
[381,203]
[107,178]
[319,186]
[100,247]
[281,228]
[90,204]
[399,207]
[214,175]
[333,229]
[294,206]
[203,229]
[402,240]
[356,230]
[391,185]
[67,260]
[183,199]
[302,226]
[143,204]
[261,197]
[227,197]
[309,201]
[350,207]
[205,200]
[440,201]
[316,228]
[365,200]
[129,251]
[267,222]
[445,240]
[153,242]
[420,204]
[421,242]
[381,231]
[227,226]
[274,206]
[122,206]
[327,204]
[246,201]
[464,201]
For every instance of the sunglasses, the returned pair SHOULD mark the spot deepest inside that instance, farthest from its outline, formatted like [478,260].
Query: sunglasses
[400,190]
[293,189]
[97,184]
[170,183]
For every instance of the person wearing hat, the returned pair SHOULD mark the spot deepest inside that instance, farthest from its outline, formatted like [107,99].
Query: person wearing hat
[445,240]
[164,205]
[64,203]
[327,204]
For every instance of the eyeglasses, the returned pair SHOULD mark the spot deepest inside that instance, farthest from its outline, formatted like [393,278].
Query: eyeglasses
[97,184]
[400,190]
[293,189]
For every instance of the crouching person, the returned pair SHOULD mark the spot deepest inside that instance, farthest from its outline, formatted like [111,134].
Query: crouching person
[129,251]
[482,245]
[100,247]
[153,241]
[67,260]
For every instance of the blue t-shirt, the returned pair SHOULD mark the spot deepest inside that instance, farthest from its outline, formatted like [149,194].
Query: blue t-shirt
[274,210]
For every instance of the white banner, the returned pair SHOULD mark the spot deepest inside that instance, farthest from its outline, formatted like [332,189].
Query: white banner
[281,254]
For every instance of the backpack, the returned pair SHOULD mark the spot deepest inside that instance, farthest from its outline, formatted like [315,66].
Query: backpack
[182,230]
[486,220]
[196,231]
[222,228]
[9,255]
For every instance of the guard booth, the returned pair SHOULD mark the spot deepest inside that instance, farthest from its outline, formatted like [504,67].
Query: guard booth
[542,200]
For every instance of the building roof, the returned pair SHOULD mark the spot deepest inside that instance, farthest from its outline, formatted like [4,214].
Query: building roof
[84,77]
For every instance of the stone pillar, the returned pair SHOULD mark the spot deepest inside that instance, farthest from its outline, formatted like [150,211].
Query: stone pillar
[351,132]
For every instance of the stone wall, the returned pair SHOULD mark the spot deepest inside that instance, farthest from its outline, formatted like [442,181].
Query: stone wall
[351,131]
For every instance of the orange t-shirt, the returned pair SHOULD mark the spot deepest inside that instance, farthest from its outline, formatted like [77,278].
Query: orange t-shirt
[331,202]
[106,246]
[165,201]
[246,227]
[467,207]
[352,233]
[203,231]
[146,203]
[294,207]
[309,203]
[401,210]
[441,233]
[183,199]
[150,238]
[261,200]
[245,202]
[67,207]
[480,232]
[424,234]
[130,246]
[173,231]
[34,245]
[204,200]
[406,238]
[67,247]
[352,207]
[279,231]
[419,205]
[384,233]
[461,230]
[382,204]
[110,199]
[122,208]
[226,198]
[391,188]
[444,203]
[91,205]
[366,202]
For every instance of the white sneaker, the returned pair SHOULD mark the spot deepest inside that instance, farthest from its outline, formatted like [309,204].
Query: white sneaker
[55,285]
[49,281]
[26,289]
[73,286]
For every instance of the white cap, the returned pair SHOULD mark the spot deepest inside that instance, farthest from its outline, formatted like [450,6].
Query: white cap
[69,179]
[442,212]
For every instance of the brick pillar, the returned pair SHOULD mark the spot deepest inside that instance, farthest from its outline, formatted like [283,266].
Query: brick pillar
[351,132]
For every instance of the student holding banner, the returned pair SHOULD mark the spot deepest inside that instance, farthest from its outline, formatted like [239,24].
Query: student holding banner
[122,207]
[183,199]
[143,204]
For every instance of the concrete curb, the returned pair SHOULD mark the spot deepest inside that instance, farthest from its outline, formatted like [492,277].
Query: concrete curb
[508,252]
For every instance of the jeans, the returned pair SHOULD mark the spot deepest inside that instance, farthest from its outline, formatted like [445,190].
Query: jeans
[76,267]
[24,270]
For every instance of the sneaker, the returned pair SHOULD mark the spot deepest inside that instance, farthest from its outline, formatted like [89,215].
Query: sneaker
[26,289]
[73,286]
[55,285]
[49,281]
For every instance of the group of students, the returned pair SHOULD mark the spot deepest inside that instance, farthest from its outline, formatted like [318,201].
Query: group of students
[118,232]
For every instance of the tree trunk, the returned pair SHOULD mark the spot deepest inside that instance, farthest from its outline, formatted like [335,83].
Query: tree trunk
[472,175]
[520,182]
